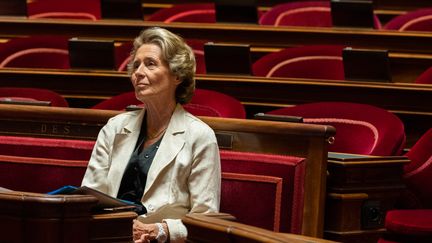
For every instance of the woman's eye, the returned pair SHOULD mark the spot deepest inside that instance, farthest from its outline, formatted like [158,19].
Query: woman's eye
[151,64]
[136,65]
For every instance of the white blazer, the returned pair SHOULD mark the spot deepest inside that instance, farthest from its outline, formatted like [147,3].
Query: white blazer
[184,177]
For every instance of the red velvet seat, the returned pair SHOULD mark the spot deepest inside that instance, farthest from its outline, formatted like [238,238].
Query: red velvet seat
[425,77]
[413,225]
[418,173]
[302,13]
[418,20]
[34,174]
[195,13]
[35,52]
[360,128]
[32,94]
[312,61]
[198,50]
[69,9]
[213,103]
[122,52]
[263,190]
[42,164]
[203,103]
[118,102]
[53,148]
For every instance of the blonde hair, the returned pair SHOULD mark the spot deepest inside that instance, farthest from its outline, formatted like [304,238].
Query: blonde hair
[176,53]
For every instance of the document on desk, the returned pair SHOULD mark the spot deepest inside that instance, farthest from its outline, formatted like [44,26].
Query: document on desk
[105,203]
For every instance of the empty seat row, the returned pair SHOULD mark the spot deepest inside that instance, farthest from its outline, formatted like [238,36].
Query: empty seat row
[297,13]
[310,61]
[301,13]
[379,132]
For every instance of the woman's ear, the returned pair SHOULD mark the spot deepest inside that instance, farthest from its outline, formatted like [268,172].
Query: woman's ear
[177,80]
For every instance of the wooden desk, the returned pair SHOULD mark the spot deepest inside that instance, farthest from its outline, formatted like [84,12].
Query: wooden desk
[40,218]
[360,190]
[112,227]
[303,140]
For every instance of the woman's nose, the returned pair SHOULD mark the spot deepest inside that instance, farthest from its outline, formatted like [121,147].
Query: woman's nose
[140,70]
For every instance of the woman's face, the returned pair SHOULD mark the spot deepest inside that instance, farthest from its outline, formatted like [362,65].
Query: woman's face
[151,76]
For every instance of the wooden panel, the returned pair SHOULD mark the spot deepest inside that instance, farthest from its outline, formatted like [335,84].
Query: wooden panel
[360,190]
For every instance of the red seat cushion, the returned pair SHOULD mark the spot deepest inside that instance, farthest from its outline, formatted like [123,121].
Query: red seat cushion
[195,13]
[410,222]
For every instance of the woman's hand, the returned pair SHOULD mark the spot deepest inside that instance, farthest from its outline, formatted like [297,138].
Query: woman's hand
[143,233]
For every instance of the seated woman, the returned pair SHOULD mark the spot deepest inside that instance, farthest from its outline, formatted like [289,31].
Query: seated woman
[161,156]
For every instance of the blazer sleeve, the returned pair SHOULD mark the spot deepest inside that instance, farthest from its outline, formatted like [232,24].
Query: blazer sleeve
[204,184]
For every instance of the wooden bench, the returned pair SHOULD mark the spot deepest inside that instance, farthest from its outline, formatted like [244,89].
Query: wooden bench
[302,140]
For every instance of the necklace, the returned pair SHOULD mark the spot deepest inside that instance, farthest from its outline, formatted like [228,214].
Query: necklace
[150,137]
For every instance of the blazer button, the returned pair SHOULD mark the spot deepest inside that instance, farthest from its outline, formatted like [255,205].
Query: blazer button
[150,207]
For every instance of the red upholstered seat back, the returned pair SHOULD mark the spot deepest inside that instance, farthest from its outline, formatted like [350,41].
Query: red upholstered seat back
[33,174]
[418,173]
[118,102]
[213,103]
[72,9]
[418,20]
[195,13]
[360,128]
[21,94]
[35,52]
[122,52]
[203,103]
[313,13]
[425,77]
[263,190]
[42,164]
[302,13]
[198,50]
[313,61]
[53,148]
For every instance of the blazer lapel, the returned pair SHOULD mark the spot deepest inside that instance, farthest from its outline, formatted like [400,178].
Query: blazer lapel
[123,146]
[171,144]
